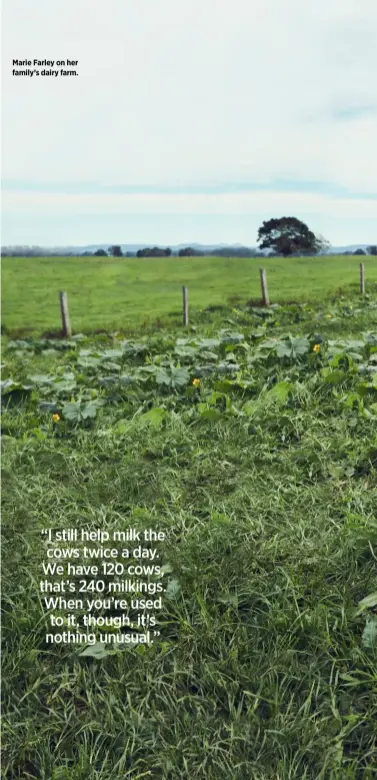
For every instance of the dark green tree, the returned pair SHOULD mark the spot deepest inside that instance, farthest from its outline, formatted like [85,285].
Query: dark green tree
[188,251]
[115,251]
[100,253]
[154,252]
[372,250]
[287,236]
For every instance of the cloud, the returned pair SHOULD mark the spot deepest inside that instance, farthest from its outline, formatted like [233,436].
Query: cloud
[350,113]
[255,203]
[198,92]
[192,98]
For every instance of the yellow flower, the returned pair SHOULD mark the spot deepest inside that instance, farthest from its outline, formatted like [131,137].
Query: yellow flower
[196,382]
[329,316]
[55,417]
[317,348]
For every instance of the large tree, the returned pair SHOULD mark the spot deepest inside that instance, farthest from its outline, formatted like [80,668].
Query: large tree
[287,236]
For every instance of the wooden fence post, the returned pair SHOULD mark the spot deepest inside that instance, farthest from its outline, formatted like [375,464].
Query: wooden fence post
[263,281]
[362,279]
[185,306]
[66,324]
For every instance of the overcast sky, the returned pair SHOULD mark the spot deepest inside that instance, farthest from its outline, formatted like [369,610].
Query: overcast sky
[189,121]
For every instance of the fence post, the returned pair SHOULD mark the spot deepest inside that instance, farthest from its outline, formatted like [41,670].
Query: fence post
[362,279]
[66,324]
[185,306]
[263,281]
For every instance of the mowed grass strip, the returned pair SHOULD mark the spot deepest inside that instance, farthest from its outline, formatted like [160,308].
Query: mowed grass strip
[125,293]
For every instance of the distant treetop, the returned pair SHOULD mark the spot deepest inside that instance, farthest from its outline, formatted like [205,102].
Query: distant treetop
[115,251]
[155,252]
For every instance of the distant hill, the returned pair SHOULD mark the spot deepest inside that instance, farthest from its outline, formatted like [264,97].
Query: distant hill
[75,249]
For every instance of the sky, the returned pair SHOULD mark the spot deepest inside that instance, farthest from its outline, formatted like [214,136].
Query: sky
[189,122]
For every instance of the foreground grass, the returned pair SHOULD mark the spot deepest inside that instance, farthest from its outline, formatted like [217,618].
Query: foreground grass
[262,671]
[115,294]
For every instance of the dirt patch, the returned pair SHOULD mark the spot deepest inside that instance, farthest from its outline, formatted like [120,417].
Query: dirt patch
[215,308]
[52,334]
[16,333]
[255,304]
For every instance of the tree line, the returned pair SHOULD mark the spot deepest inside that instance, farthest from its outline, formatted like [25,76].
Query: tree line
[278,237]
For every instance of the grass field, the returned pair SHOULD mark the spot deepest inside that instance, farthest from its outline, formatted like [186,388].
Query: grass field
[263,476]
[127,293]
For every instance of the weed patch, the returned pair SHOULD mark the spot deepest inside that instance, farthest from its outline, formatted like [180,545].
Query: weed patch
[251,441]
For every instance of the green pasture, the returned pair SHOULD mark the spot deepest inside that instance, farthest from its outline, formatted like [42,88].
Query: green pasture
[124,293]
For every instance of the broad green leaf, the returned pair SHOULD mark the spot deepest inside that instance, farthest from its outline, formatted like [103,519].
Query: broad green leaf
[154,417]
[166,568]
[173,589]
[89,362]
[270,344]
[77,411]
[112,367]
[107,381]
[172,376]
[71,411]
[88,410]
[185,351]
[134,349]
[344,362]
[8,385]
[225,385]
[210,413]
[353,400]
[231,337]
[369,637]
[110,354]
[126,379]
[250,407]
[293,347]
[20,344]
[281,391]
[48,407]
[41,379]
[98,651]
[228,368]
[367,603]
[208,343]
[371,338]
[333,377]
[203,371]
[64,386]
